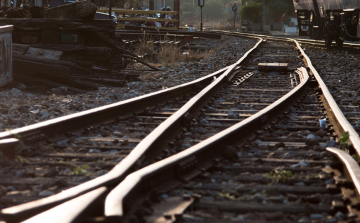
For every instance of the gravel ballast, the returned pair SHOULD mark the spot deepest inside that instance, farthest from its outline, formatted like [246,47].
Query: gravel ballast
[19,106]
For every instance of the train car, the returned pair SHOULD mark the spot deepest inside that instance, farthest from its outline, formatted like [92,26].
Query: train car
[332,20]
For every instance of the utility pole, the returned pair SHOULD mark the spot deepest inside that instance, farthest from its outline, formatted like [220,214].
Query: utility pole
[201,4]
[234,9]
[177,8]
[240,14]
[201,25]
[110,5]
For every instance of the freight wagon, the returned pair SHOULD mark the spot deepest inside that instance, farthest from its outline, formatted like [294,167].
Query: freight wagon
[332,20]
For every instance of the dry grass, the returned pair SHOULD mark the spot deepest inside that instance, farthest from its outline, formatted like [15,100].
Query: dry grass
[146,45]
[192,55]
[149,76]
[146,48]
[169,55]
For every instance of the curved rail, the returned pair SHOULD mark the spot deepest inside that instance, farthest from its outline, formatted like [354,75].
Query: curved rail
[160,133]
[166,169]
[64,214]
[343,122]
[308,41]
[128,191]
[131,187]
[146,148]
[75,121]
[107,112]
[352,167]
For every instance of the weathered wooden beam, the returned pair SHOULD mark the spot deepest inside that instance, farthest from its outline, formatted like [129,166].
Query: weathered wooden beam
[36,66]
[244,207]
[45,82]
[41,24]
[282,189]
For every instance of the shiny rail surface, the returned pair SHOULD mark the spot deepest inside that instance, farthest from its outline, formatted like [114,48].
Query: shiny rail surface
[239,81]
[320,43]
[122,203]
[162,130]
[342,125]
[139,157]
[124,195]
[101,116]
[340,118]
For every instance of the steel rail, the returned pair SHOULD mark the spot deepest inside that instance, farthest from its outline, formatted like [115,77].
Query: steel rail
[156,137]
[126,193]
[64,214]
[350,165]
[309,41]
[273,37]
[352,169]
[85,118]
[114,209]
[128,107]
[340,118]
[133,184]
[142,150]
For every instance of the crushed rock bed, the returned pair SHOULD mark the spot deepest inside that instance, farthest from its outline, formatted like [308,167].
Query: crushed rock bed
[20,107]
[340,71]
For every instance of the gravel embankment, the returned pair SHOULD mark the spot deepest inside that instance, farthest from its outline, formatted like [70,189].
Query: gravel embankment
[20,106]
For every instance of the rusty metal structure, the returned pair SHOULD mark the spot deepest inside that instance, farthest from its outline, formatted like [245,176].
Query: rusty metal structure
[331,20]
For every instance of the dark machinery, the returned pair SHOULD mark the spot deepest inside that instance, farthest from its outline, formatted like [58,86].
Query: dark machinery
[332,20]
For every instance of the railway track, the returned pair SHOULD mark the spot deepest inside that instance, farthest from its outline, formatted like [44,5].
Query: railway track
[79,156]
[304,42]
[338,67]
[66,152]
[342,81]
[275,176]
[221,127]
[280,173]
